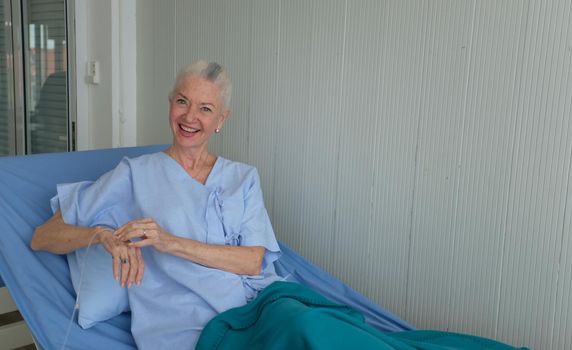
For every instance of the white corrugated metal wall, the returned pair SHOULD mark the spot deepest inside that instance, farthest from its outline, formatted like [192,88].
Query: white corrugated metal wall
[418,150]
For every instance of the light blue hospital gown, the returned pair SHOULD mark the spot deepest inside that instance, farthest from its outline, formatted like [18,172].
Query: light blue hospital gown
[178,297]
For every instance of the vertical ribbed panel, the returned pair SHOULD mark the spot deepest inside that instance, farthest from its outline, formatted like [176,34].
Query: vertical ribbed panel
[200,34]
[166,64]
[265,43]
[531,267]
[155,69]
[487,148]
[291,126]
[317,180]
[394,150]
[442,113]
[145,63]
[359,112]
[562,331]
[418,150]
[237,57]
[199,31]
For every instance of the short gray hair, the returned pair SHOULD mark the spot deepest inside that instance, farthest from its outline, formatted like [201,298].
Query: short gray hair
[210,71]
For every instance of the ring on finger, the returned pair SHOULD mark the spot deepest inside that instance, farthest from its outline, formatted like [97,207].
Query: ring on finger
[124,260]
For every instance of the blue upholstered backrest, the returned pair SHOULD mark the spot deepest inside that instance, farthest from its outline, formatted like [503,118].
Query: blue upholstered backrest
[40,282]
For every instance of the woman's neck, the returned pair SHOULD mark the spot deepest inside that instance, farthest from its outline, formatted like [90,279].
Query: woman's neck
[191,161]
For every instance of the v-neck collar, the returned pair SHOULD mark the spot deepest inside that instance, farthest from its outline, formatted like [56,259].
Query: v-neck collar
[183,171]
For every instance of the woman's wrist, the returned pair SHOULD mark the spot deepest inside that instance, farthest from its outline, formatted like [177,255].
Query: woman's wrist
[102,233]
[171,244]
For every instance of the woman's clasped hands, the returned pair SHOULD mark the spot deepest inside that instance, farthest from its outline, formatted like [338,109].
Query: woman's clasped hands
[128,265]
[143,233]
[125,245]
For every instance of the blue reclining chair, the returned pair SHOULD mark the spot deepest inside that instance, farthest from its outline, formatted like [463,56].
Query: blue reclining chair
[40,282]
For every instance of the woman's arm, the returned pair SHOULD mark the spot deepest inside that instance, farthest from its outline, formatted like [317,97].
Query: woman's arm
[236,259]
[57,237]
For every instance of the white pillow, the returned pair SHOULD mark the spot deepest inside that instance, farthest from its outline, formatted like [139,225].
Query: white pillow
[100,297]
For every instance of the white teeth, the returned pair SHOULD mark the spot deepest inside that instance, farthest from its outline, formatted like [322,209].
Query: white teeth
[188,129]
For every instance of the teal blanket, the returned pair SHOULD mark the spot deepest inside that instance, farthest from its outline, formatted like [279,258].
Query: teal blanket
[290,316]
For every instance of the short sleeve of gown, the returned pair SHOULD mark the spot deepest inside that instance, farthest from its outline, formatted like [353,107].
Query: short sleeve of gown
[103,202]
[256,229]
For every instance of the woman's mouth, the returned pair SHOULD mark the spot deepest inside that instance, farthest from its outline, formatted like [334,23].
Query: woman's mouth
[188,129]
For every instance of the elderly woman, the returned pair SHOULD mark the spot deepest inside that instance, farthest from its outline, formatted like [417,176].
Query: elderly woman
[192,222]
[197,225]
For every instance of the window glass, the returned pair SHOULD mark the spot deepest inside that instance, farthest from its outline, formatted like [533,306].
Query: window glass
[46,75]
[7,128]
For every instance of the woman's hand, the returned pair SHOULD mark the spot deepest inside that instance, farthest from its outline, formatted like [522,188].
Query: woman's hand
[128,265]
[235,259]
[150,233]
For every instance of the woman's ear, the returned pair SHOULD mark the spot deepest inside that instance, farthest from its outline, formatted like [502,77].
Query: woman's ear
[224,116]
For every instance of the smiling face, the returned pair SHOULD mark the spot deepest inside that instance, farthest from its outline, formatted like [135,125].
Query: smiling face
[195,111]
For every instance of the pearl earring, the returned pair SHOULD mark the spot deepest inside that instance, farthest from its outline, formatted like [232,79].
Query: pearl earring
[217,130]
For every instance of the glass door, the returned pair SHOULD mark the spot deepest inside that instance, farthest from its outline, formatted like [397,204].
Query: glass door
[45,67]
[7,113]
[36,118]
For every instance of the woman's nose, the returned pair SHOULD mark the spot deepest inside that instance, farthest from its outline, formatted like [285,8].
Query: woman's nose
[190,114]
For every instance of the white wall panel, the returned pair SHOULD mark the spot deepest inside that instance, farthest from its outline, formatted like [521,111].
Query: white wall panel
[265,43]
[322,123]
[395,145]
[418,150]
[156,69]
[487,150]
[562,330]
[291,127]
[145,65]
[199,30]
[165,67]
[531,264]
[200,34]
[447,48]
[98,110]
[237,57]
[360,115]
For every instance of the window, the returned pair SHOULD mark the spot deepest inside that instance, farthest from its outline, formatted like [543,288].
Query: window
[7,127]
[34,89]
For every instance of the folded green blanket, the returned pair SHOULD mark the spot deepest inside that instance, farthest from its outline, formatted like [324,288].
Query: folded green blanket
[290,316]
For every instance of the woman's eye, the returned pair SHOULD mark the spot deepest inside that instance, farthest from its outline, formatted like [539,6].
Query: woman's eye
[181,101]
[206,109]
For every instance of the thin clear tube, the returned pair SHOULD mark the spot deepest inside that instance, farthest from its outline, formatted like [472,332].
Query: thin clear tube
[76,305]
